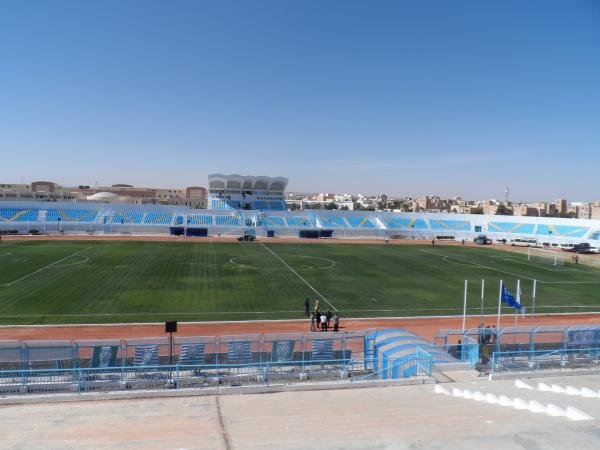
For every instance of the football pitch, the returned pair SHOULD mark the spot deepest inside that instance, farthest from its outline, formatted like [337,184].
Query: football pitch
[53,282]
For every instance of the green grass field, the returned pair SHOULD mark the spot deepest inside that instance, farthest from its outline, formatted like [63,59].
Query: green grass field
[99,281]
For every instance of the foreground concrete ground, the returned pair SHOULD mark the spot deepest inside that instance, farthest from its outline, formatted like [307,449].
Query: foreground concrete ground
[372,418]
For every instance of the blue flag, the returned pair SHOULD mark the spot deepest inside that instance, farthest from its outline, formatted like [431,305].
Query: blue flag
[509,299]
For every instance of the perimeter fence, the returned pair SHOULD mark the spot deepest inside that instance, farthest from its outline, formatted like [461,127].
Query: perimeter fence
[192,361]
[527,349]
[538,361]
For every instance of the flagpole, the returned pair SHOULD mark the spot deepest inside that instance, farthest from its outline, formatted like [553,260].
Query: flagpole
[465,308]
[499,306]
[518,298]
[482,294]
[533,298]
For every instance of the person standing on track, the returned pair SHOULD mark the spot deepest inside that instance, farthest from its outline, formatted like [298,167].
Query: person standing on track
[336,323]
[323,322]
[306,307]
[313,322]
[317,312]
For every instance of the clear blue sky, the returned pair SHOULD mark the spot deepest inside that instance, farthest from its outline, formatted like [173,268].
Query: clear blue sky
[449,97]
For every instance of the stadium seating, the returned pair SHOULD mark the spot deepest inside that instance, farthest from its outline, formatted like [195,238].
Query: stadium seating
[510,227]
[271,221]
[261,205]
[71,215]
[220,204]
[18,215]
[400,222]
[562,230]
[228,220]
[199,219]
[299,221]
[127,217]
[277,206]
[450,225]
[159,218]
[360,222]
[332,221]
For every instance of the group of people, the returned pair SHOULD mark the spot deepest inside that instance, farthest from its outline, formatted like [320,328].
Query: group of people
[487,335]
[319,319]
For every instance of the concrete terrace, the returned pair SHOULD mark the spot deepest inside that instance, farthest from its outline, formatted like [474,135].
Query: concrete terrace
[372,418]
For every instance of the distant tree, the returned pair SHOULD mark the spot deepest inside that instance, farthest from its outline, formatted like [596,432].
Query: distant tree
[366,208]
[383,204]
[568,215]
[502,210]
[344,208]
[331,206]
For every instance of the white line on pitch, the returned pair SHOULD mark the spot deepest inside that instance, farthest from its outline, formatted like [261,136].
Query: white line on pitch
[5,254]
[298,275]
[49,266]
[441,255]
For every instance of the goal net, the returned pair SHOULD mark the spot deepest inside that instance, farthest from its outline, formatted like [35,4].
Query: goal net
[552,257]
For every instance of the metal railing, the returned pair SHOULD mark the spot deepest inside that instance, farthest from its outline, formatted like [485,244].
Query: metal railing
[523,362]
[77,380]
[173,376]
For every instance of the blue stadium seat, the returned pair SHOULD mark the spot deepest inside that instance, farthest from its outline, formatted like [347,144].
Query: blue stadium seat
[228,220]
[404,223]
[277,206]
[332,221]
[271,221]
[259,204]
[19,215]
[562,230]
[450,225]
[122,217]
[199,219]
[159,218]
[360,222]
[71,215]
[220,204]
[511,227]
[299,222]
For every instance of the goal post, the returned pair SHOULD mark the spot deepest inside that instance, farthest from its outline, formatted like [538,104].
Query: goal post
[553,257]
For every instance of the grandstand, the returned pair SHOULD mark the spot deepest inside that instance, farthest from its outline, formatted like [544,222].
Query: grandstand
[231,192]
[300,222]
[361,221]
[198,219]
[126,217]
[71,215]
[255,205]
[511,227]
[562,230]
[271,221]
[18,215]
[231,220]
[404,223]
[333,221]
[160,218]
[21,217]
[450,225]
